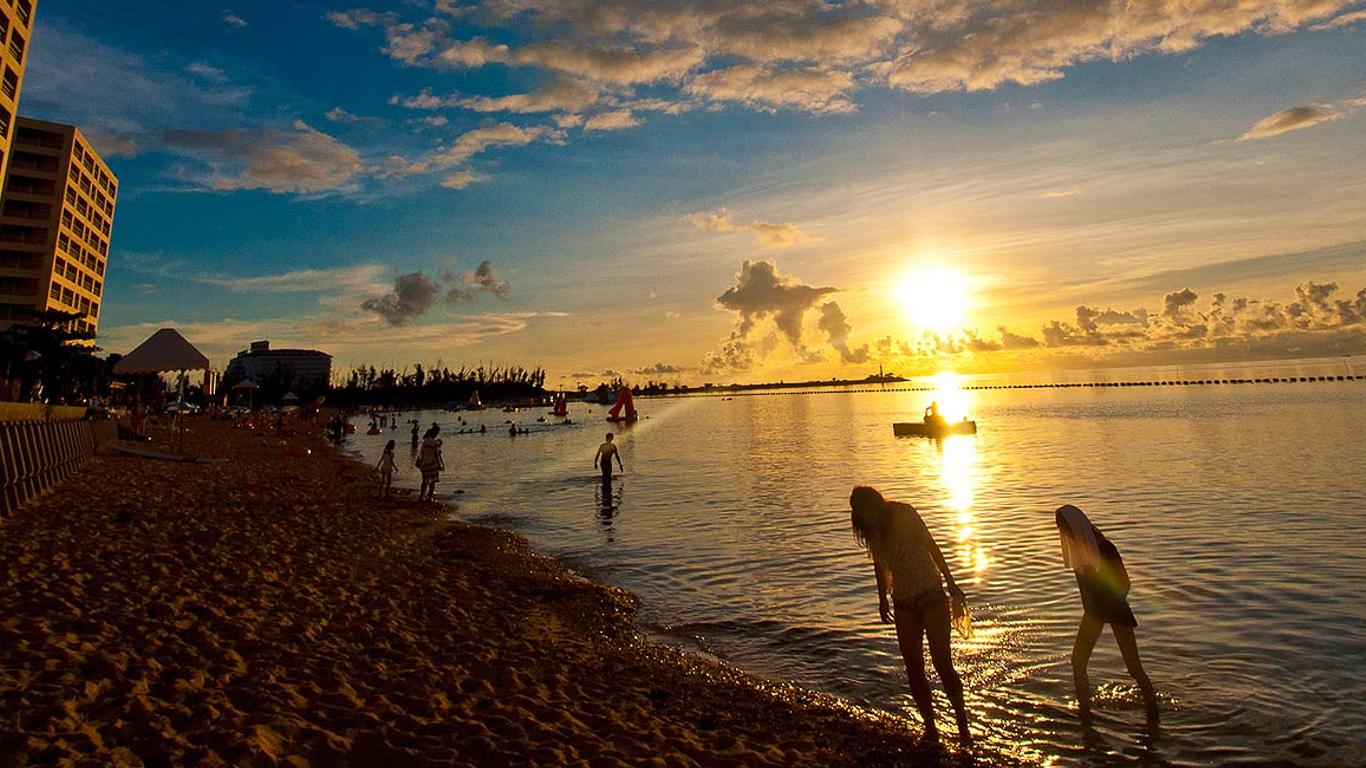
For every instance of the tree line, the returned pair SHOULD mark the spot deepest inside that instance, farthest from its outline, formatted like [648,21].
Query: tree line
[419,385]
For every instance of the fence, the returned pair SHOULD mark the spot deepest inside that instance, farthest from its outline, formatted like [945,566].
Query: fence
[36,455]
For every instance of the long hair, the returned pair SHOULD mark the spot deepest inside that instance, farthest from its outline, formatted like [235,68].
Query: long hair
[864,500]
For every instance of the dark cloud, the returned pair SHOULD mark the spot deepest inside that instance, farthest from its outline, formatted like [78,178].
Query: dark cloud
[760,294]
[482,279]
[486,277]
[659,369]
[301,160]
[1176,303]
[836,326]
[1293,119]
[413,294]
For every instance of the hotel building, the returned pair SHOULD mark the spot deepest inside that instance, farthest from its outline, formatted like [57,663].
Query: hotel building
[307,370]
[16,29]
[56,216]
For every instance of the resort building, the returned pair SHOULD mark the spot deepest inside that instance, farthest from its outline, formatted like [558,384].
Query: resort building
[303,369]
[16,29]
[56,217]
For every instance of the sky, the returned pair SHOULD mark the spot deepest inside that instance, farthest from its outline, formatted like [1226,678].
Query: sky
[726,191]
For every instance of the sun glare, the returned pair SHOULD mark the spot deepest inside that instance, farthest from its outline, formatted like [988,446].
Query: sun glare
[934,299]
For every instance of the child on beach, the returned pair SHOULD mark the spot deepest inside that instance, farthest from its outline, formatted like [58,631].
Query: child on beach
[907,564]
[1104,586]
[430,462]
[387,468]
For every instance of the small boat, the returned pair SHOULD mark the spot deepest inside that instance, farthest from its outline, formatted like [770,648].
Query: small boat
[561,406]
[624,412]
[475,404]
[936,431]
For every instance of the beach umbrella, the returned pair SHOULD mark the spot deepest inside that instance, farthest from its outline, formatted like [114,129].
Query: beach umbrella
[290,397]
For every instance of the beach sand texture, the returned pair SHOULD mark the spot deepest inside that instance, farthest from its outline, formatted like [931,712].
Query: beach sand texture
[269,610]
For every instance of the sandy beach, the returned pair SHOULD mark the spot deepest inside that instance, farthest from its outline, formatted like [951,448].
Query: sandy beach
[269,610]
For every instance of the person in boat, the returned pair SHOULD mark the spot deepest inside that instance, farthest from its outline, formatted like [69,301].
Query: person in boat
[430,462]
[933,418]
[603,460]
[1104,586]
[908,565]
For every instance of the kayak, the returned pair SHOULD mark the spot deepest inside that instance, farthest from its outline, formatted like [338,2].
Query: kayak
[936,431]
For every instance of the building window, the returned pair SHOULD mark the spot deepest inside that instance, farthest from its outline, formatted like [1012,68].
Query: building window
[56,293]
[10,84]
[5,118]
[25,8]
[16,46]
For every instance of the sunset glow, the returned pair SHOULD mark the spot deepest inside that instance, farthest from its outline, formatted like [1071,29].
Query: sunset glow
[934,299]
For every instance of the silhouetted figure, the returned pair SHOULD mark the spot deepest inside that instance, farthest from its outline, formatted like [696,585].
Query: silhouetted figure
[907,564]
[387,468]
[933,417]
[430,462]
[1104,585]
[415,436]
[603,460]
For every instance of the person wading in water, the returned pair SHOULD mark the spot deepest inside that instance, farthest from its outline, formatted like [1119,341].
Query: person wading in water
[907,564]
[603,460]
[1104,586]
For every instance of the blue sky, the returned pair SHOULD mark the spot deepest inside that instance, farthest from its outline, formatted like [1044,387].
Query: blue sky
[725,191]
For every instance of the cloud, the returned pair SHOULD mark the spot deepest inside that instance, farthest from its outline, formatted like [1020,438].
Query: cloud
[486,277]
[413,294]
[482,279]
[301,160]
[836,326]
[659,369]
[113,144]
[234,21]
[611,121]
[768,90]
[761,294]
[475,141]
[1293,119]
[563,94]
[1338,22]
[462,179]
[339,115]
[363,276]
[767,233]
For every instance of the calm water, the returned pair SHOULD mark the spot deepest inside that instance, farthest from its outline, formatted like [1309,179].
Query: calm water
[1240,511]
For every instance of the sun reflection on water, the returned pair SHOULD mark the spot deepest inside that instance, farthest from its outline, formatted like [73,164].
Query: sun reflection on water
[958,471]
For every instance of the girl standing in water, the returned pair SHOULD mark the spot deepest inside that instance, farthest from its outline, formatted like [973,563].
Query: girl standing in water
[907,564]
[387,467]
[1104,586]
[430,462]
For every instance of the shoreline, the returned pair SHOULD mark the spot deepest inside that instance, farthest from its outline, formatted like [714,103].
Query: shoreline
[270,610]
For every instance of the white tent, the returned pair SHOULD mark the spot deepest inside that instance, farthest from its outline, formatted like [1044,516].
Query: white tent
[165,351]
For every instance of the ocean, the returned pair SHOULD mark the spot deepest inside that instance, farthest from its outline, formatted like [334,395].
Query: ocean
[1239,509]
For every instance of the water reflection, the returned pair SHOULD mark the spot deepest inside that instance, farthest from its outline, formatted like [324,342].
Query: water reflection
[607,500]
[958,461]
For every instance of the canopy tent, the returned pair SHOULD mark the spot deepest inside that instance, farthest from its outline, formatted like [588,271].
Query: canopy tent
[165,351]
[290,397]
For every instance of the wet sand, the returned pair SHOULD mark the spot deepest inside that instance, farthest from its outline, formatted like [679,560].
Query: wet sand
[270,610]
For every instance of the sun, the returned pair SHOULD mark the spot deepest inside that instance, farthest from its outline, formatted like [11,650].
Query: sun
[935,299]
